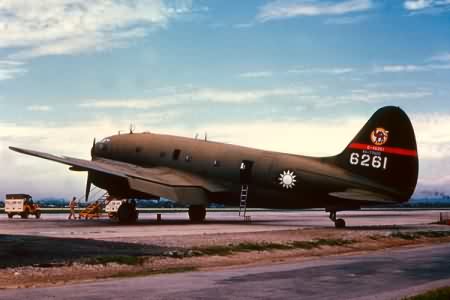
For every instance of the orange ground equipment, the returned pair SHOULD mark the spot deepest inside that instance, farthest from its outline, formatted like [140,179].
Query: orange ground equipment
[92,211]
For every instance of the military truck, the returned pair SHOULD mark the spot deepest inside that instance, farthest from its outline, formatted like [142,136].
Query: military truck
[22,205]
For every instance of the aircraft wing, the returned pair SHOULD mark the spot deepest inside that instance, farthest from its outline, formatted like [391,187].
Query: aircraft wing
[159,181]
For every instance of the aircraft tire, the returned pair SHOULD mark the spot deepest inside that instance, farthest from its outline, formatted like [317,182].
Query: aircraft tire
[126,214]
[123,213]
[197,213]
[340,223]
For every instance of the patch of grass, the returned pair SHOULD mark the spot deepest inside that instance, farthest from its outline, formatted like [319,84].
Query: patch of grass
[410,236]
[264,246]
[214,250]
[118,259]
[438,294]
[248,247]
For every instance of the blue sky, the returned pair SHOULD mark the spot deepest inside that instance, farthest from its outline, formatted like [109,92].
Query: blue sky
[292,76]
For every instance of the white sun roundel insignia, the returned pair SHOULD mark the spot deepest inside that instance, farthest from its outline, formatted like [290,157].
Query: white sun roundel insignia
[379,136]
[287,179]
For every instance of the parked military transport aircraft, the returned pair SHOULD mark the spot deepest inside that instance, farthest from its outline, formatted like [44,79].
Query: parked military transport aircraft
[380,166]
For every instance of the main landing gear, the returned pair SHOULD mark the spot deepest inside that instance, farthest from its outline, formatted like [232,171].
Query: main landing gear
[338,223]
[127,212]
[197,213]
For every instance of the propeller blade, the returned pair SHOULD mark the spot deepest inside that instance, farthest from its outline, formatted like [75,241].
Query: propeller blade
[93,149]
[88,186]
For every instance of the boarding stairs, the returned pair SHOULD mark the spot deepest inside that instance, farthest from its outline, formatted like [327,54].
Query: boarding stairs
[94,209]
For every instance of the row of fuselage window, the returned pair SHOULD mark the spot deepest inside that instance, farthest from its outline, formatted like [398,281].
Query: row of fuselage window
[176,155]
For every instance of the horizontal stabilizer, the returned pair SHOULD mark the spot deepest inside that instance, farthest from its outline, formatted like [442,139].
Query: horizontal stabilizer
[362,195]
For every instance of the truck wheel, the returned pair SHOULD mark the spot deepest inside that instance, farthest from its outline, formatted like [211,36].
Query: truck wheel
[38,215]
[24,215]
[10,215]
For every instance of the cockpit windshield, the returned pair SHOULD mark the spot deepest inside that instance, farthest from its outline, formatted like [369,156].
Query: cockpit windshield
[103,146]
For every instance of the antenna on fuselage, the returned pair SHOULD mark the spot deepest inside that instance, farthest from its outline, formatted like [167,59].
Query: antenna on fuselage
[206,136]
[132,128]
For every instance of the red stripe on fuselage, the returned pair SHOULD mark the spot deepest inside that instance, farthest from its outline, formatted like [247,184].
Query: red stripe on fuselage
[390,150]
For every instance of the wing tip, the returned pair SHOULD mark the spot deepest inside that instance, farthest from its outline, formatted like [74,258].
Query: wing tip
[15,149]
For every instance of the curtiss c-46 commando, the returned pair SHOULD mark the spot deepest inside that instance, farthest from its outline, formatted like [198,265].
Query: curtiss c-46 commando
[379,166]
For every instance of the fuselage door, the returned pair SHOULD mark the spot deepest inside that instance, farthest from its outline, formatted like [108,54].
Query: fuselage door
[246,171]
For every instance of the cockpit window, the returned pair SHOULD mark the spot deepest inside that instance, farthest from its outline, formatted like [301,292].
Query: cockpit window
[104,145]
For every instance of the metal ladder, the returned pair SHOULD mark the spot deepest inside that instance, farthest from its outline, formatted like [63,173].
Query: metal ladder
[243,202]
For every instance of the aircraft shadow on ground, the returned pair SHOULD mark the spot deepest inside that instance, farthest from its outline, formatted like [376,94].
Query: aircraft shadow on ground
[20,250]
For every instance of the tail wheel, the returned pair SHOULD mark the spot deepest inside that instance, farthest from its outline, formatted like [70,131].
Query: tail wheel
[340,223]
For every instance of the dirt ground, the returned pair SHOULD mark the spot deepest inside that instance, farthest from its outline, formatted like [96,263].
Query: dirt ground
[31,261]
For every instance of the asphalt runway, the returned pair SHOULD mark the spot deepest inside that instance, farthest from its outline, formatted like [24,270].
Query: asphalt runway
[380,275]
[56,225]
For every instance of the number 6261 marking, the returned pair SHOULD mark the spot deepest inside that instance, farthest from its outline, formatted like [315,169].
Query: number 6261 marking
[367,160]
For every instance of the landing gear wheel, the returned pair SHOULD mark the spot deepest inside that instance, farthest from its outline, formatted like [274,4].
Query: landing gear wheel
[197,213]
[340,223]
[127,213]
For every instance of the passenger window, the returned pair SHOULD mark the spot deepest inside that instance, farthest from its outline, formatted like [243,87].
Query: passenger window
[176,154]
[216,163]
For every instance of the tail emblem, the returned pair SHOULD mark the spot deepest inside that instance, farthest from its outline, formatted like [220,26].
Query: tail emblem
[379,136]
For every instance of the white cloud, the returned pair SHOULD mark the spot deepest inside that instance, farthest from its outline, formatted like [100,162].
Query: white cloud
[375,96]
[329,71]
[11,63]
[39,108]
[435,6]
[287,9]
[444,57]
[49,27]
[417,4]
[371,97]
[196,95]
[432,134]
[10,69]
[128,104]
[256,74]
[410,68]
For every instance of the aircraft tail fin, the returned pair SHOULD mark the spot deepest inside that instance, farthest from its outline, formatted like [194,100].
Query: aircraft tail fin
[385,151]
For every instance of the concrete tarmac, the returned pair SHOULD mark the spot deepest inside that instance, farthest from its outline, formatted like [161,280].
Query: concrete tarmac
[56,225]
[390,274]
